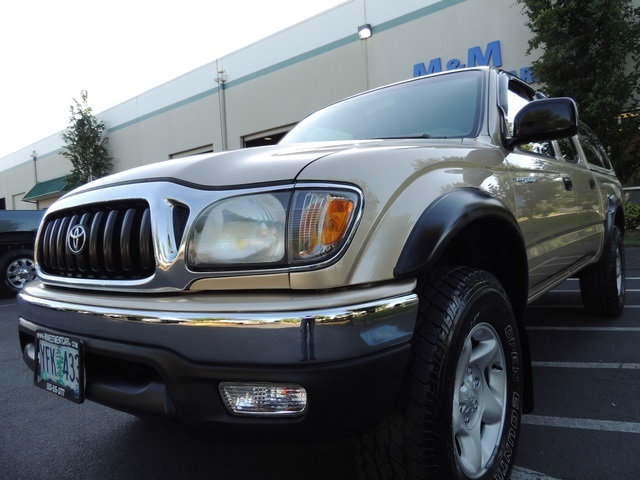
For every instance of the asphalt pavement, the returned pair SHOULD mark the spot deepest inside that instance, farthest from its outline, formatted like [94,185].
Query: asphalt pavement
[586,373]
[586,422]
[632,256]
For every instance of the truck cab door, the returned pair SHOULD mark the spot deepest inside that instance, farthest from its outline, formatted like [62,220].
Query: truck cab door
[546,205]
[589,198]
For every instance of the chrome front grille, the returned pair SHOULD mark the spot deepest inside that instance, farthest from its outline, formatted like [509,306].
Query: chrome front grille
[102,241]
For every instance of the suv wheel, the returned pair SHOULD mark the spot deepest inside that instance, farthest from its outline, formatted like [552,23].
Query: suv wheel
[458,413]
[18,268]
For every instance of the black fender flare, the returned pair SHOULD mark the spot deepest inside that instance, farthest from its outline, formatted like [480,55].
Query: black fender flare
[614,204]
[612,220]
[442,220]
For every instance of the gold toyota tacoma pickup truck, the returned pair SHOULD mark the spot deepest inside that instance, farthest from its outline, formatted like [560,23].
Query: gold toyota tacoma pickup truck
[366,277]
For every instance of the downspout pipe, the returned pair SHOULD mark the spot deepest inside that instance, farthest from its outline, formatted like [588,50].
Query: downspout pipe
[221,80]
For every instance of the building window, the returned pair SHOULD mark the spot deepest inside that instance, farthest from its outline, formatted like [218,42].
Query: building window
[192,151]
[270,137]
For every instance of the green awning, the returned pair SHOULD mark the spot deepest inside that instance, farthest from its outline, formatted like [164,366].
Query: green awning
[45,190]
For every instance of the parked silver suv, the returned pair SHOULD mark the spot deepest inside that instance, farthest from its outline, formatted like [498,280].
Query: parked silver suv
[17,236]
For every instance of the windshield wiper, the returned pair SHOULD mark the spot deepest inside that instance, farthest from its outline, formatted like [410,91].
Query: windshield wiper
[401,137]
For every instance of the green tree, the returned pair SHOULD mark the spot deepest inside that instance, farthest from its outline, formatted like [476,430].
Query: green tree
[85,144]
[590,52]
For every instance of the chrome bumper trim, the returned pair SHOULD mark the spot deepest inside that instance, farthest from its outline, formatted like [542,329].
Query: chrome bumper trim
[331,334]
[348,314]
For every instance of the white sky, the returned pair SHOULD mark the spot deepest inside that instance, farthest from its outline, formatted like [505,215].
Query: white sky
[51,50]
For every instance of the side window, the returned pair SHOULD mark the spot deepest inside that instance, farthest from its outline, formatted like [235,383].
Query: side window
[593,149]
[592,154]
[518,99]
[566,150]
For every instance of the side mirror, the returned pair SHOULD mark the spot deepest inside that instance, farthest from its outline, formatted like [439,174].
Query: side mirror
[545,119]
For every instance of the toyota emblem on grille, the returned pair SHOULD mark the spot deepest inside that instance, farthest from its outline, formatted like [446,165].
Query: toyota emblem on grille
[76,239]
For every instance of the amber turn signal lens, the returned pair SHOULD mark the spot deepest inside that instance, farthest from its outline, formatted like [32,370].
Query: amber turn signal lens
[336,220]
[324,222]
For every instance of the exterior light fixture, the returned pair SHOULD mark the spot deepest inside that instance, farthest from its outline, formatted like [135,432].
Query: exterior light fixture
[264,399]
[364,31]
[222,77]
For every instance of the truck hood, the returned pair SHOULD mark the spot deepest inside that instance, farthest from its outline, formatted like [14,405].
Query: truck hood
[252,166]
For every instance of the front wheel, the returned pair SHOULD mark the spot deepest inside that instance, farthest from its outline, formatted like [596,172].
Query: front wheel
[458,413]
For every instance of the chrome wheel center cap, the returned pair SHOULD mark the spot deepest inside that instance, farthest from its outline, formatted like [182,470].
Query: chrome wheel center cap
[470,396]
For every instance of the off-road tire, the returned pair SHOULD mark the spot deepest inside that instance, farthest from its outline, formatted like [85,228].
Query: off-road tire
[603,285]
[430,432]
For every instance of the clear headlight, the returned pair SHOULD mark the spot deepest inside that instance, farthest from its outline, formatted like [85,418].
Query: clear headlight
[272,229]
[240,231]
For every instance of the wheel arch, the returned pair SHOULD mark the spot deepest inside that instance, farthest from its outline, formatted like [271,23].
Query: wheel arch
[471,228]
[614,217]
[468,227]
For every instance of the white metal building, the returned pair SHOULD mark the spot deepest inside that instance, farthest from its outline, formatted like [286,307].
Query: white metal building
[254,95]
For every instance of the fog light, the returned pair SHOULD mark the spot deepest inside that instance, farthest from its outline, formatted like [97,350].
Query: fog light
[264,399]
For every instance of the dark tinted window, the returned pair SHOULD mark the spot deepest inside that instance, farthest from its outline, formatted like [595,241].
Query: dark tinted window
[20,220]
[444,106]
[566,150]
[593,149]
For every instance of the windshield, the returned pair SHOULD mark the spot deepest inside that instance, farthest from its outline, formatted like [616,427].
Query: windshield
[443,106]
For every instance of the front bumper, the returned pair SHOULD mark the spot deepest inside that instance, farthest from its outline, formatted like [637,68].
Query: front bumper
[164,357]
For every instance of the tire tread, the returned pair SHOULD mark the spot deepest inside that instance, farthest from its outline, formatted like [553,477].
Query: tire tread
[598,288]
[410,434]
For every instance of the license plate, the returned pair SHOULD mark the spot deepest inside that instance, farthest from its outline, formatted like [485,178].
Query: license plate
[59,365]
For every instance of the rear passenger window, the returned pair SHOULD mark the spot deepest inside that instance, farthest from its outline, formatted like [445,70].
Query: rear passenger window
[593,149]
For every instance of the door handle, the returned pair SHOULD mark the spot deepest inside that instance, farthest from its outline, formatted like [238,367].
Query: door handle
[568,184]
[592,183]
